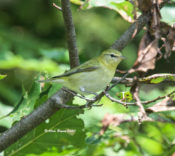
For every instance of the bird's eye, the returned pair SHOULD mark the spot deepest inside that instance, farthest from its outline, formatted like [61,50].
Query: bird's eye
[112,55]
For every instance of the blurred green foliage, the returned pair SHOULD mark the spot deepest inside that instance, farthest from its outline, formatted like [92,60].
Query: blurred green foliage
[33,41]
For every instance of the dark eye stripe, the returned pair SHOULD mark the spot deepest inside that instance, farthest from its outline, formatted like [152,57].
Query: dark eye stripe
[112,55]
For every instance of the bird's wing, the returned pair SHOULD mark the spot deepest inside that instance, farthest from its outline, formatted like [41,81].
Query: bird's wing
[88,66]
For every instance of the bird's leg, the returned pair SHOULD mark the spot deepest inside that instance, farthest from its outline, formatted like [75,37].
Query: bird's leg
[69,91]
[105,91]
[75,94]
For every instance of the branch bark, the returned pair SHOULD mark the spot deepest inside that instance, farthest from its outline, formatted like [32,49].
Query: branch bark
[47,109]
[71,36]
[132,31]
[142,113]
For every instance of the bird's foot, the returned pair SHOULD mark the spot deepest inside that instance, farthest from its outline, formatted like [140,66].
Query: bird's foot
[77,95]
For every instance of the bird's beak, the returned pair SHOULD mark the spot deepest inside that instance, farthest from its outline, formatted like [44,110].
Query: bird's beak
[122,57]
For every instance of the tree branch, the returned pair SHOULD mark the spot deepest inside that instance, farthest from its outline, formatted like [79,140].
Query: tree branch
[71,36]
[132,31]
[56,6]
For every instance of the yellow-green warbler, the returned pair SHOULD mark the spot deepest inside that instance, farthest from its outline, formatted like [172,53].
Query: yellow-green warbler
[91,76]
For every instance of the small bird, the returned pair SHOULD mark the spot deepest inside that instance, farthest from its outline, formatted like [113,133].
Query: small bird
[91,76]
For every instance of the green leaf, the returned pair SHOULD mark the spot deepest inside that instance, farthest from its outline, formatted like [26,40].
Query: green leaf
[78,2]
[168,131]
[123,7]
[2,76]
[63,130]
[149,145]
[4,109]
[26,103]
[54,89]
[153,132]
[168,14]
[157,78]
[9,60]
[125,96]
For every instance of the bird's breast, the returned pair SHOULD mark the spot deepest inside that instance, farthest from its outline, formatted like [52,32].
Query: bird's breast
[92,81]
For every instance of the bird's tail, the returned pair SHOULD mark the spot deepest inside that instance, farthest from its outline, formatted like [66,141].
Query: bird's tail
[51,80]
[43,81]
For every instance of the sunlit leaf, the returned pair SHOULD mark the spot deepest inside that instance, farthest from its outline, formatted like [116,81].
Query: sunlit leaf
[125,96]
[150,145]
[123,7]
[2,76]
[168,14]
[78,2]
[4,110]
[9,60]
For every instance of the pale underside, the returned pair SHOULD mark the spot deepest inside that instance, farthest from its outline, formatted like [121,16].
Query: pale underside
[88,77]
[92,81]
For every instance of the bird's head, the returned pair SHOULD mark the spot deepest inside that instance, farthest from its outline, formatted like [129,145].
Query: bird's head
[112,57]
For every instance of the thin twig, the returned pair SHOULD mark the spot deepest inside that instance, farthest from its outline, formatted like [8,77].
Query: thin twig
[58,7]
[118,81]
[159,98]
[167,78]
[142,113]
[142,102]
[119,101]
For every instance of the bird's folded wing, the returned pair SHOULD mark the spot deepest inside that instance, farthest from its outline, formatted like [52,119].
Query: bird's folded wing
[82,68]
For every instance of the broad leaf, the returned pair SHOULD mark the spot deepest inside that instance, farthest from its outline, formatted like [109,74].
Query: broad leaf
[168,14]
[63,130]
[26,103]
[123,7]
[149,145]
